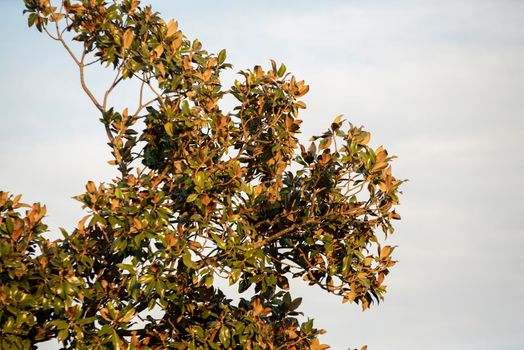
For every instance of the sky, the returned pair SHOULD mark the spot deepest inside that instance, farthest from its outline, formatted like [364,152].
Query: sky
[439,83]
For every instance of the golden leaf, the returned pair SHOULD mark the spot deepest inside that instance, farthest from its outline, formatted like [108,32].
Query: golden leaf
[302,91]
[127,39]
[81,224]
[379,166]
[364,303]
[137,223]
[175,44]
[91,188]
[351,296]
[386,251]
[365,139]
[315,345]
[162,69]
[381,154]
[207,75]
[258,308]
[291,333]
[172,27]
[301,104]
[157,51]
[134,6]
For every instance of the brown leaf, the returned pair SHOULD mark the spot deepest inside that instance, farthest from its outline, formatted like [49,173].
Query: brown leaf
[380,278]
[206,200]
[258,308]
[395,216]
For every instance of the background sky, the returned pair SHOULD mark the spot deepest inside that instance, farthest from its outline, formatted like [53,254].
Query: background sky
[439,83]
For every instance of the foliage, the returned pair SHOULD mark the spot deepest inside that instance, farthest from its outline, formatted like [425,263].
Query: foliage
[234,195]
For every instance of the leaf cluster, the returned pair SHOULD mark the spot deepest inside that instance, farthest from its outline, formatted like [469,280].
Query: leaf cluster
[202,194]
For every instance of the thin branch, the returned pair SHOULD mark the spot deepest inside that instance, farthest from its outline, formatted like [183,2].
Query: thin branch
[85,87]
[141,97]
[160,99]
[68,49]
[92,62]
[81,65]
[51,35]
[141,107]
[118,79]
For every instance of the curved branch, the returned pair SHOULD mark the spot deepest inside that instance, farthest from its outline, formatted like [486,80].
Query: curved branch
[81,66]
[118,79]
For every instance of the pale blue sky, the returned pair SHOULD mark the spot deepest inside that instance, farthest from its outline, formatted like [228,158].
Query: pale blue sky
[438,83]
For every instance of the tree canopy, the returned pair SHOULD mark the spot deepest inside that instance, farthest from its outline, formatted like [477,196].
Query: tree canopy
[201,194]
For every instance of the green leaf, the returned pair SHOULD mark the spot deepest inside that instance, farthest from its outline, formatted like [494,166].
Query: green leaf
[282,70]
[62,335]
[116,340]
[146,279]
[208,280]
[186,258]
[221,56]
[168,127]
[225,336]
[192,197]
[220,243]
[234,276]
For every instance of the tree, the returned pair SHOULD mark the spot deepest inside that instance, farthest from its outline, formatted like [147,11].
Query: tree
[200,194]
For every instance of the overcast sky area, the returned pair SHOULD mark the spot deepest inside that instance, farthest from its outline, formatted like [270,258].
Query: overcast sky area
[439,83]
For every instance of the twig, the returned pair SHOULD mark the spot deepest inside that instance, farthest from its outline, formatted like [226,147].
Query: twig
[118,79]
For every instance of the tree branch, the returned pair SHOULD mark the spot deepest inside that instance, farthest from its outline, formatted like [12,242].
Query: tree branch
[81,66]
[281,233]
[115,82]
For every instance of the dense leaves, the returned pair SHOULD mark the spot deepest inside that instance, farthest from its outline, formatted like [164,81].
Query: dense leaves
[202,194]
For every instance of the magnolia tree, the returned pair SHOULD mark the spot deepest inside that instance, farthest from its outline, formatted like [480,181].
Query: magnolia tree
[201,195]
